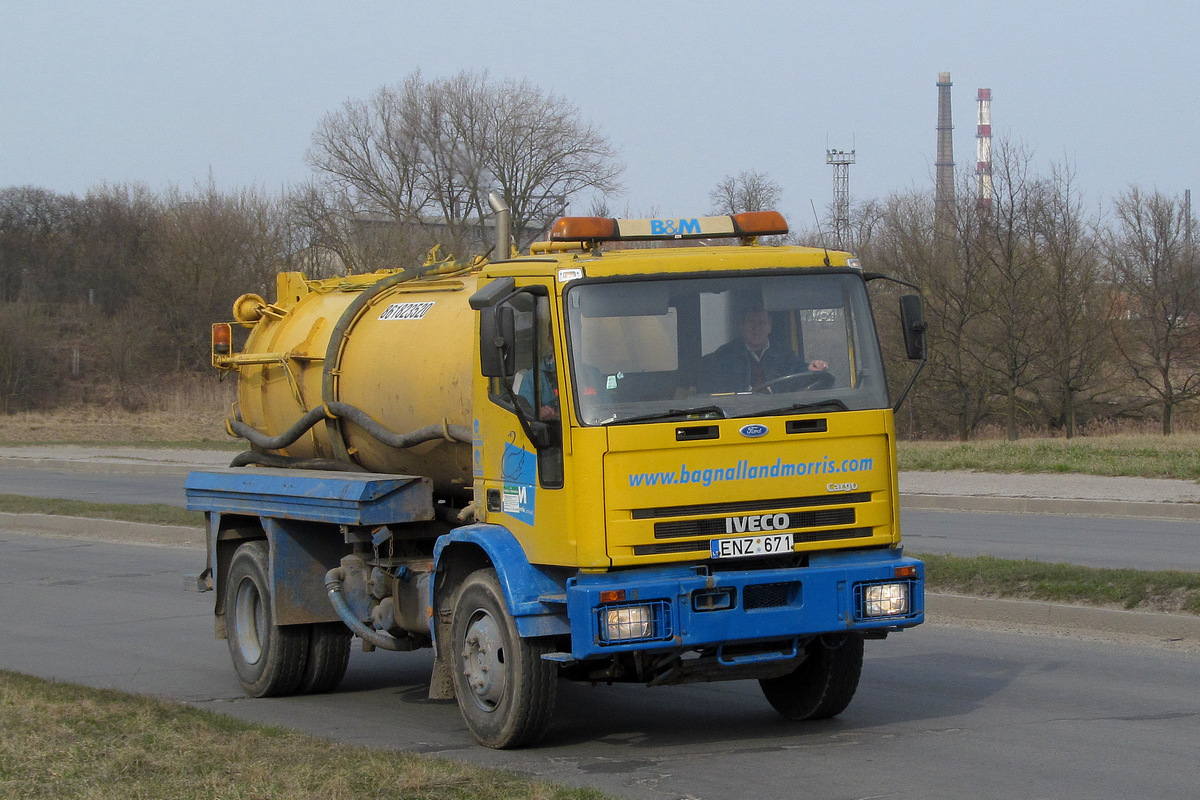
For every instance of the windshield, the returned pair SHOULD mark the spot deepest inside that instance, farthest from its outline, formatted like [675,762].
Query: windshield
[723,347]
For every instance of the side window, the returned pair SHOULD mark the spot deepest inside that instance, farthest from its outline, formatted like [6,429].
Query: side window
[531,375]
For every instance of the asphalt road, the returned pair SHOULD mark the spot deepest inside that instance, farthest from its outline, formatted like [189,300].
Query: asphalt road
[1118,542]
[942,712]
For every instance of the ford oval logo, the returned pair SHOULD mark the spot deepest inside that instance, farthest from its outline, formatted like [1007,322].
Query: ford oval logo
[753,431]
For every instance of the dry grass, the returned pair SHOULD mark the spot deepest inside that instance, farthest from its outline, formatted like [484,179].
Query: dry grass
[1142,455]
[188,410]
[987,576]
[61,740]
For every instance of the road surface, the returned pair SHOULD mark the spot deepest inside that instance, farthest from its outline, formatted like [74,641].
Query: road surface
[942,712]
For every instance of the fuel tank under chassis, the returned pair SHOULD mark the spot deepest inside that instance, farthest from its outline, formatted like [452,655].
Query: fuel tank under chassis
[393,345]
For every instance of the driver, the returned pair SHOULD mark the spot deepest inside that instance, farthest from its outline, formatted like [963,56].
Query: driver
[751,360]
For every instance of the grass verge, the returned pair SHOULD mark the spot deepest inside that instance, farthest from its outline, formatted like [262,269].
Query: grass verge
[987,576]
[149,513]
[62,740]
[1145,456]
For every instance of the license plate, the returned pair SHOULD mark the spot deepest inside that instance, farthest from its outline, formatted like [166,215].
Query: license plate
[751,545]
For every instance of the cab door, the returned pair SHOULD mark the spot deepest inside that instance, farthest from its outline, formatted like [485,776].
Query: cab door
[519,453]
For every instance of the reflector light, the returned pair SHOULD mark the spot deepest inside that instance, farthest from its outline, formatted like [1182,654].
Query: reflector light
[906,572]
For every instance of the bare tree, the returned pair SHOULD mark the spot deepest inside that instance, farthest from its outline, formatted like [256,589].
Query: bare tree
[1157,280]
[747,191]
[1015,279]
[1075,341]
[426,154]
[911,243]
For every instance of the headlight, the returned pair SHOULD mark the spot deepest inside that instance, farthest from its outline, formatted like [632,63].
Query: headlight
[627,623]
[884,600]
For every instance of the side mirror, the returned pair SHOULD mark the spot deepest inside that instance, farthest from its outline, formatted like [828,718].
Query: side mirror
[497,340]
[912,317]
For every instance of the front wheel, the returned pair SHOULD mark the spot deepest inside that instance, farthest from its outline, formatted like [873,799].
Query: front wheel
[505,690]
[269,659]
[824,683]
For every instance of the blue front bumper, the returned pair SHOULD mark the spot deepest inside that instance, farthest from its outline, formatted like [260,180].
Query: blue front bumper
[694,607]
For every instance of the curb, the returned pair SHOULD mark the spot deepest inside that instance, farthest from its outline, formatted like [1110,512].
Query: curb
[1019,613]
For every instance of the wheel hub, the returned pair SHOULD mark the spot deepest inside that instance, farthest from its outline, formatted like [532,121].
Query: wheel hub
[249,620]
[483,661]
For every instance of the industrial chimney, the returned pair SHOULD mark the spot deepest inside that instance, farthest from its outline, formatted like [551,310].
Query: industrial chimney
[983,149]
[944,186]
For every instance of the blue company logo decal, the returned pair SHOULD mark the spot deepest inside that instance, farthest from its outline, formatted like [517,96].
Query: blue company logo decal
[753,431]
[671,227]
[519,497]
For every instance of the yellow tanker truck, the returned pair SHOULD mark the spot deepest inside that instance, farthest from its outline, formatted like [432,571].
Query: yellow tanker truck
[596,462]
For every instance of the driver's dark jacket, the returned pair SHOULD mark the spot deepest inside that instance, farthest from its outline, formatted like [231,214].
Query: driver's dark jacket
[731,368]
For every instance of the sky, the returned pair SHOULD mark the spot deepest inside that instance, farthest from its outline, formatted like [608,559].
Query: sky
[168,93]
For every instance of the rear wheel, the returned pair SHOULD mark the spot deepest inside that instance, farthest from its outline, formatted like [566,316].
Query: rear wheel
[328,656]
[269,659]
[824,684]
[506,692]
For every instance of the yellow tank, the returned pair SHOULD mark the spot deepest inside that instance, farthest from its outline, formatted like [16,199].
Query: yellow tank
[394,346]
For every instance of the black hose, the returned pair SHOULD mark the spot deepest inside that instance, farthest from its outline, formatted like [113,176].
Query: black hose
[333,353]
[458,433]
[333,586]
[282,440]
[253,458]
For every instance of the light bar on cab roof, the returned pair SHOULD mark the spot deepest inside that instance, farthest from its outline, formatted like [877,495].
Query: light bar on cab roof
[603,229]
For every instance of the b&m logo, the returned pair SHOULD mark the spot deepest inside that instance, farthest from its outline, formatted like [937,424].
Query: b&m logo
[753,431]
[671,227]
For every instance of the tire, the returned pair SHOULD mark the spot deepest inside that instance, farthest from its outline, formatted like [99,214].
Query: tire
[823,685]
[328,656]
[505,691]
[269,659]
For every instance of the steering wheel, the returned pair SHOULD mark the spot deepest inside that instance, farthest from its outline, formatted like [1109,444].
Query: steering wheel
[821,379]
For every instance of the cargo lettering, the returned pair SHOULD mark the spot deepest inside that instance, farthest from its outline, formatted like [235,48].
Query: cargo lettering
[402,311]
[767,522]
[748,471]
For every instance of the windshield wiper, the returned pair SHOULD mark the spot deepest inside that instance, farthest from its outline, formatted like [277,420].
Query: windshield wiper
[820,405]
[674,412]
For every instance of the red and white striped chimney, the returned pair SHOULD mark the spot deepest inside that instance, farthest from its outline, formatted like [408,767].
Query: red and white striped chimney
[983,148]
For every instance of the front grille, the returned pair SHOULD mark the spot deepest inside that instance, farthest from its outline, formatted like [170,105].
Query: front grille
[716,527]
[739,506]
[769,595]
[673,547]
